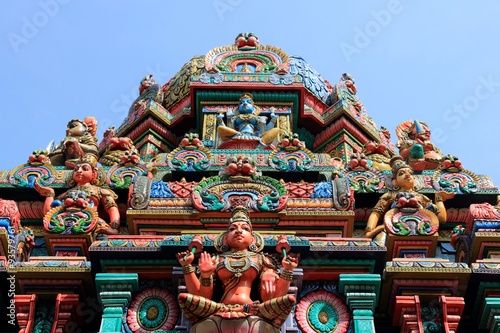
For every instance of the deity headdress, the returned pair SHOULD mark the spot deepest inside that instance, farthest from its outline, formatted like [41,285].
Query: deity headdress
[88,158]
[246,95]
[91,159]
[397,163]
[89,122]
[239,214]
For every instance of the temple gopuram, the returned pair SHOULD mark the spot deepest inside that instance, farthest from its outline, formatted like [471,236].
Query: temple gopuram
[248,194]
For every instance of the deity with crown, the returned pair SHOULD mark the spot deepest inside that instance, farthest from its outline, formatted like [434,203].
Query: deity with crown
[246,128]
[406,212]
[75,211]
[415,146]
[252,290]
[80,139]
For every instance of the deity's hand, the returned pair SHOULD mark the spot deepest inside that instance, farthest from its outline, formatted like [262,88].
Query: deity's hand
[185,258]
[443,196]
[273,116]
[289,263]
[107,230]
[44,191]
[262,119]
[69,139]
[206,264]
[229,113]
[268,281]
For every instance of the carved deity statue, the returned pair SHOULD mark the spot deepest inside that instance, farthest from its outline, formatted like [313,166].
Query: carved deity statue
[415,146]
[80,139]
[405,211]
[75,211]
[254,292]
[246,128]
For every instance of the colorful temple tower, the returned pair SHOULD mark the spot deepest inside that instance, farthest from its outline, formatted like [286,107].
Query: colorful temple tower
[248,194]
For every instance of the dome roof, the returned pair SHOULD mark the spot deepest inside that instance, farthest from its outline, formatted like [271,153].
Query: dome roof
[246,62]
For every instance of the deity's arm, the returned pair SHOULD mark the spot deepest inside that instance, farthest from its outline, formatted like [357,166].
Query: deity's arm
[230,118]
[202,286]
[372,229]
[378,211]
[87,142]
[48,193]
[268,283]
[272,123]
[283,284]
[273,285]
[439,199]
[108,199]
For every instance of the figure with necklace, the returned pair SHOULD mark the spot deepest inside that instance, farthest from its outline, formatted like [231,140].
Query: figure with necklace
[75,211]
[403,199]
[80,140]
[246,129]
[238,270]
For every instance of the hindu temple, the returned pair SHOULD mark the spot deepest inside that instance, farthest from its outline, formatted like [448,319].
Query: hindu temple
[247,194]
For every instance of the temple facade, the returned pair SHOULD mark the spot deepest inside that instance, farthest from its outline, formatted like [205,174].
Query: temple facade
[350,230]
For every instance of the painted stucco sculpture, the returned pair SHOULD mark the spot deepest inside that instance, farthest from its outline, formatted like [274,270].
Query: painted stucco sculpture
[246,128]
[238,265]
[80,139]
[416,147]
[311,180]
[405,211]
[75,211]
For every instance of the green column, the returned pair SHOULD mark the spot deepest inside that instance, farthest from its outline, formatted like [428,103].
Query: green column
[362,293]
[115,292]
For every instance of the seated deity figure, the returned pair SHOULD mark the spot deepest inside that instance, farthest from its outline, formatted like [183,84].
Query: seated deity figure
[75,211]
[246,129]
[254,292]
[403,196]
[415,146]
[80,139]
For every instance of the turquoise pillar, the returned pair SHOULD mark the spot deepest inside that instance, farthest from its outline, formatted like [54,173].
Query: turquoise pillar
[115,293]
[362,293]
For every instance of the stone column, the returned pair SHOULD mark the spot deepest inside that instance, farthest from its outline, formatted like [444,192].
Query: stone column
[362,293]
[115,293]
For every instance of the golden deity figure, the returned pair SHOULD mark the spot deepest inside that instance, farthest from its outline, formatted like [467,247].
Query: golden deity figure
[405,211]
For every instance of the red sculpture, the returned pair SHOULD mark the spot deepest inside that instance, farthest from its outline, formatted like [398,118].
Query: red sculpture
[240,268]
[80,201]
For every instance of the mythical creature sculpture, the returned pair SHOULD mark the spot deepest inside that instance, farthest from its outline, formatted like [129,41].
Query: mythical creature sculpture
[80,139]
[242,270]
[378,153]
[246,129]
[402,206]
[24,242]
[415,146]
[150,92]
[22,238]
[75,211]
[246,41]
[120,150]
[238,167]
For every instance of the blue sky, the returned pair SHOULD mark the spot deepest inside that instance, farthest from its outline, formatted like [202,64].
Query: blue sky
[436,61]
